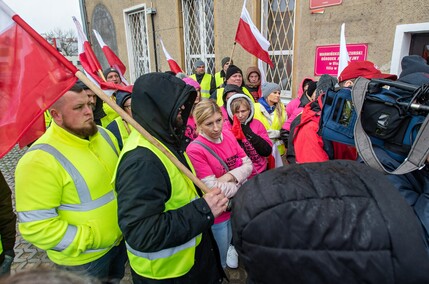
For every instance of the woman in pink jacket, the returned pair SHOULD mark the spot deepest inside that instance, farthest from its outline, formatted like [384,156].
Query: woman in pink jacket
[220,162]
[250,133]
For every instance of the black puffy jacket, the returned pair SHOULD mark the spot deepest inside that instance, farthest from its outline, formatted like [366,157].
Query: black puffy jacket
[331,222]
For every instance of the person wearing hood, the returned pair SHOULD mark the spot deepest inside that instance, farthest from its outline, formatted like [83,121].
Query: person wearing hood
[234,76]
[228,92]
[120,127]
[253,82]
[206,81]
[271,112]
[164,217]
[220,76]
[415,71]
[250,133]
[293,108]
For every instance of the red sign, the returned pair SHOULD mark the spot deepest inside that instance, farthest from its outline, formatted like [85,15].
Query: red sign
[326,61]
[314,4]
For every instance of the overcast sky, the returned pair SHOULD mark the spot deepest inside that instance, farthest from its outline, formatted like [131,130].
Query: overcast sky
[46,15]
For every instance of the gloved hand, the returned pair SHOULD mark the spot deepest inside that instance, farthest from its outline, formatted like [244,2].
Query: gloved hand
[284,136]
[273,134]
[247,131]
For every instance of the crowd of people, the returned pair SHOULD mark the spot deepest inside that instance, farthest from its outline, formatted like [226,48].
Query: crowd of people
[94,192]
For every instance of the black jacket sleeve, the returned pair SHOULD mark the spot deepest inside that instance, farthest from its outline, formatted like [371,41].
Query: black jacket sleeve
[261,146]
[143,187]
[7,218]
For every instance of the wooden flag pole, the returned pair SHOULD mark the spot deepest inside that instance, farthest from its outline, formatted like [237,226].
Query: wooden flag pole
[141,130]
[232,52]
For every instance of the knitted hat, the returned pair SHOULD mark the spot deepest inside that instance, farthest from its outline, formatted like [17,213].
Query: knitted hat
[122,97]
[198,63]
[226,60]
[82,85]
[365,69]
[110,70]
[232,69]
[192,82]
[268,88]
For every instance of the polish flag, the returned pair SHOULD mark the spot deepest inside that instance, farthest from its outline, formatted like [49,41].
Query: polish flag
[249,37]
[89,61]
[33,76]
[343,59]
[111,57]
[174,67]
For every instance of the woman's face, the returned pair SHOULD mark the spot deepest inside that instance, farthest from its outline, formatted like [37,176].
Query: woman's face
[273,98]
[212,126]
[235,79]
[242,113]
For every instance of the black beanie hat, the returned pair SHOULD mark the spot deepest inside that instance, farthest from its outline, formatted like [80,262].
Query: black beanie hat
[232,69]
[110,70]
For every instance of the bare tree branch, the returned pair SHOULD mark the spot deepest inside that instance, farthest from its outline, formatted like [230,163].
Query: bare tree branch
[66,40]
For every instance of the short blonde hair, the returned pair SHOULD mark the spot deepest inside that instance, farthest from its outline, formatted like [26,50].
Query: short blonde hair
[204,110]
[237,103]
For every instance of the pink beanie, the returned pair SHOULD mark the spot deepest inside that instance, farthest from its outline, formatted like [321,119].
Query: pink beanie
[192,83]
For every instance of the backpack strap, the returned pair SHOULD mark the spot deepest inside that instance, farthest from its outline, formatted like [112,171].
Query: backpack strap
[224,165]
[419,151]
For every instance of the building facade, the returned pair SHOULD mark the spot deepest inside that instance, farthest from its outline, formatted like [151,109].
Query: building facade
[304,35]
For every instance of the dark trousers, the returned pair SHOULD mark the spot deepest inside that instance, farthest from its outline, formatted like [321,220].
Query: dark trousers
[109,268]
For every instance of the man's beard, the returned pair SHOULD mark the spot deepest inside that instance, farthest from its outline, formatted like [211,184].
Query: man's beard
[85,132]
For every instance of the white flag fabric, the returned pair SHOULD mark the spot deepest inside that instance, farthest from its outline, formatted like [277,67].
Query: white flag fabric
[343,59]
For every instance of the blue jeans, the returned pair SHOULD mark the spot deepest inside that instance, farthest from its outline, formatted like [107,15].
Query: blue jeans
[222,233]
[110,267]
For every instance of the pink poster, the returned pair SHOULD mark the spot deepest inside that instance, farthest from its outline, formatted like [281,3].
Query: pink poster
[326,60]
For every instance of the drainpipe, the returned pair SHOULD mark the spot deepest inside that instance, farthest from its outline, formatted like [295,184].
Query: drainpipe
[82,6]
[152,12]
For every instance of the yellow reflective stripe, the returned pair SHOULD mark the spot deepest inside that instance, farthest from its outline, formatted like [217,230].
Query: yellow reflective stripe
[87,206]
[162,253]
[78,180]
[36,215]
[108,139]
[67,238]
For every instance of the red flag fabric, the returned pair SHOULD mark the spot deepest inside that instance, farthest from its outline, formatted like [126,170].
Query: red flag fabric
[236,128]
[171,62]
[87,57]
[249,37]
[33,76]
[111,57]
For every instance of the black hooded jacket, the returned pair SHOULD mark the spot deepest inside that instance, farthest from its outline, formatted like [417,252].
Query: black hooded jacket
[333,222]
[143,184]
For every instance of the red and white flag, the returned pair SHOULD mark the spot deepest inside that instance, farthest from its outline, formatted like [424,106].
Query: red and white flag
[249,37]
[89,61]
[111,57]
[33,76]
[171,62]
[344,58]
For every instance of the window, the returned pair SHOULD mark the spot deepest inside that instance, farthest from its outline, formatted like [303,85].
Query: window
[137,41]
[198,23]
[278,20]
